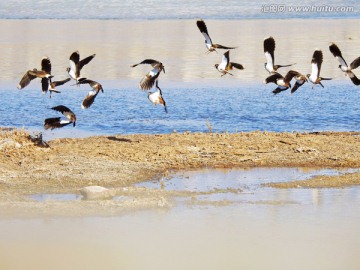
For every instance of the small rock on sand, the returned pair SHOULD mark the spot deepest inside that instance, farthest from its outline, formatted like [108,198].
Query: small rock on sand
[97,193]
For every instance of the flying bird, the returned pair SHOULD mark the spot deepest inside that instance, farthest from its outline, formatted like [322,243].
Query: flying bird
[156,98]
[316,62]
[57,122]
[149,80]
[226,65]
[76,65]
[208,43]
[90,98]
[283,83]
[269,49]
[300,80]
[44,74]
[353,78]
[334,49]
[49,85]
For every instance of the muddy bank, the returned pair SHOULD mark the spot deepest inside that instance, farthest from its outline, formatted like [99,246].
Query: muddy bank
[66,165]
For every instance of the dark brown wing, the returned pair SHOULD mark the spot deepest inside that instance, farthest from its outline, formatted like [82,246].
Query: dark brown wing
[290,75]
[236,65]
[44,85]
[89,99]
[218,46]
[355,64]
[75,57]
[296,86]
[317,59]
[57,83]
[148,81]
[63,109]
[86,61]
[55,122]
[151,62]
[26,79]
[353,78]
[269,46]
[273,78]
[46,65]
[85,81]
[202,26]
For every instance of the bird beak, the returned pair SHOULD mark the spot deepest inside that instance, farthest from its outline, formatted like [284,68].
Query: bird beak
[164,70]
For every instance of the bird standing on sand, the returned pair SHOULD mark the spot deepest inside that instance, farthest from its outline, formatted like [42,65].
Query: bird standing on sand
[57,122]
[149,80]
[269,49]
[334,49]
[316,62]
[76,65]
[44,74]
[90,98]
[211,47]
[226,65]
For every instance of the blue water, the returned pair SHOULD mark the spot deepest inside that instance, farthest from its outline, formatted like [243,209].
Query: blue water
[168,9]
[245,107]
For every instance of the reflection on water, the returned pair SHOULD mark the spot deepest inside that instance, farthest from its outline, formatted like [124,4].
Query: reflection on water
[177,43]
[320,235]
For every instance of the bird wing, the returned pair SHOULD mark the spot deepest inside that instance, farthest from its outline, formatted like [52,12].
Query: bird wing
[355,64]
[316,62]
[273,78]
[63,109]
[55,122]
[218,46]
[74,60]
[151,62]
[353,78]
[149,80]
[203,29]
[26,79]
[290,75]
[269,49]
[224,60]
[57,83]
[46,65]
[337,54]
[86,61]
[44,85]
[89,99]
[236,65]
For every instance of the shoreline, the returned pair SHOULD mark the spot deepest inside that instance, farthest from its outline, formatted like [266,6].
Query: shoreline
[120,161]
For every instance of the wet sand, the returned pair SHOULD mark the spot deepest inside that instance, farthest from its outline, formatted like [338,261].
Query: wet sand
[118,162]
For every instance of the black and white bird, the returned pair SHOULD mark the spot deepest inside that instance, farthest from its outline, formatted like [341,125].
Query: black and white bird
[157,98]
[76,65]
[208,43]
[226,65]
[90,98]
[316,62]
[300,80]
[269,49]
[149,80]
[334,49]
[57,122]
[283,83]
[49,85]
[44,74]
[353,78]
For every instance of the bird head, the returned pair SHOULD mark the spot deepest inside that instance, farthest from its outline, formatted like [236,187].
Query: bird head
[68,69]
[216,66]
[307,75]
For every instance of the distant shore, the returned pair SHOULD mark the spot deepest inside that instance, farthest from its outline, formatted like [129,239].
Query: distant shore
[120,161]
